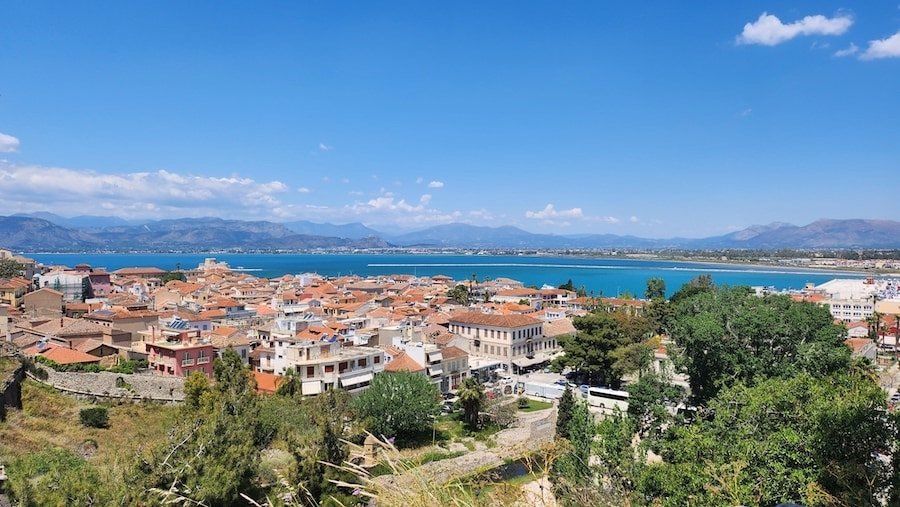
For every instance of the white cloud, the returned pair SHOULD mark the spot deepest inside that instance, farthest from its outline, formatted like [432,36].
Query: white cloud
[849,50]
[634,219]
[303,190]
[8,143]
[747,112]
[436,184]
[768,30]
[155,194]
[325,147]
[883,48]
[425,199]
[551,213]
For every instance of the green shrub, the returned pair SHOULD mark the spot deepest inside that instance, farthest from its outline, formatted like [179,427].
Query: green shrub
[523,402]
[94,417]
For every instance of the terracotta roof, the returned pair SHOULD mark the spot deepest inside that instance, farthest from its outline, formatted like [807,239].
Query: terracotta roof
[403,362]
[452,352]
[857,343]
[139,271]
[266,382]
[494,320]
[559,327]
[62,355]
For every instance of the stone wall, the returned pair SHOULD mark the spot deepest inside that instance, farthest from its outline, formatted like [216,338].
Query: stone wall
[136,387]
[11,390]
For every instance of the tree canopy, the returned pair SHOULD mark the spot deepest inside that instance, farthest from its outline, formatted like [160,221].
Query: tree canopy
[398,404]
[729,335]
[10,268]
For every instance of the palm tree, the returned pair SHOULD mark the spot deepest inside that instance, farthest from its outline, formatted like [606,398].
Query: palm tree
[471,398]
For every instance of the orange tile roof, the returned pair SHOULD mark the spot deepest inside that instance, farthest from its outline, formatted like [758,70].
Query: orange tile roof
[266,382]
[62,355]
[493,320]
[451,352]
[403,362]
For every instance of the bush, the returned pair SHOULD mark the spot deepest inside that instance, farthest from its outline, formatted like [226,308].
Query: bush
[94,417]
[523,402]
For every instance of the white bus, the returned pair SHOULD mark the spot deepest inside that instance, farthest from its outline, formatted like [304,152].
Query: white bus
[607,399]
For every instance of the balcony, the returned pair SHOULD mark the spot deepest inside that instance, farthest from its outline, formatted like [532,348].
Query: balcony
[187,362]
[202,359]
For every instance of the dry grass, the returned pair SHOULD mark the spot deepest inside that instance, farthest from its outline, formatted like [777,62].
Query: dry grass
[50,419]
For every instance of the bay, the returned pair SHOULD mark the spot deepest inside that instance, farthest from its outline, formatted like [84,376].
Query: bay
[606,276]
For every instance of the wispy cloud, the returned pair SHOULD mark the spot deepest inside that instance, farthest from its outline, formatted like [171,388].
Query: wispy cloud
[746,112]
[882,48]
[303,190]
[436,184]
[325,147]
[8,143]
[768,30]
[852,49]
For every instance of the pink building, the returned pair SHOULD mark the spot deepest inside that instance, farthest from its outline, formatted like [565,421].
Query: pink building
[178,352]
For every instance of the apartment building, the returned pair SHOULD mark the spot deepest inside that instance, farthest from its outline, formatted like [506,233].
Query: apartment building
[517,341]
[324,365]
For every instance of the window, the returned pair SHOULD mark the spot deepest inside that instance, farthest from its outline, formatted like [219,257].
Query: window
[342,367]
[310,371]
[377,359]
[361,363]
[329,368]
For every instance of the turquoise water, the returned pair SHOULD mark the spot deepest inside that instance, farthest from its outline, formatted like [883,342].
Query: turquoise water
[600,276]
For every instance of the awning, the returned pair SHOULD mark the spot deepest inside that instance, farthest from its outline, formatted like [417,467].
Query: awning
[359,379]
[526,362]
[312,387]
[435,370]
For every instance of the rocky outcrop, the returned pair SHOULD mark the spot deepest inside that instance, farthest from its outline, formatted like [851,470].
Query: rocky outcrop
[11,389]
[117,386]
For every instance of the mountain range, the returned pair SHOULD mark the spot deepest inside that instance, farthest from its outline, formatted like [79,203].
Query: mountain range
[46,231]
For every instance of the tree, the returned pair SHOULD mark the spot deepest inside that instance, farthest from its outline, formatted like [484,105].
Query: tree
[589,351]
[656,289]
[321,443]
[804,439]
[195,387]
[471,399]
[573,475]
[290,384]
[568,286]
[632,358]
[730,334]
[10,268]
[648,399]
[171,276]
[564,413]
[460,294]
[212,455]
[399,404]
[698,285]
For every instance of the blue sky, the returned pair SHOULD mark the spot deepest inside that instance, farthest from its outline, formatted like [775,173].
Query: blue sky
[654,119]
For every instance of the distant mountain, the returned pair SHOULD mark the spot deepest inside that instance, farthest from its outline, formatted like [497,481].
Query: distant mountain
[819,234]
[34,234]
[352,231]
[81,221]
[31,234]
[826,233]
[473,236]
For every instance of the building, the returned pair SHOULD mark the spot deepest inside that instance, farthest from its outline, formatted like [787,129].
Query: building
[177,351]
[75,286]
[515,340]
[13,290]
[44,302]
[324,365]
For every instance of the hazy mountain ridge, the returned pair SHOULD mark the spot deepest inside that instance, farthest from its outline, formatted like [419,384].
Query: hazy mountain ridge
[26,233]
[29,233]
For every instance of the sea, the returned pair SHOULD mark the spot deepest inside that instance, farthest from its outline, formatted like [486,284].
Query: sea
[598,276]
